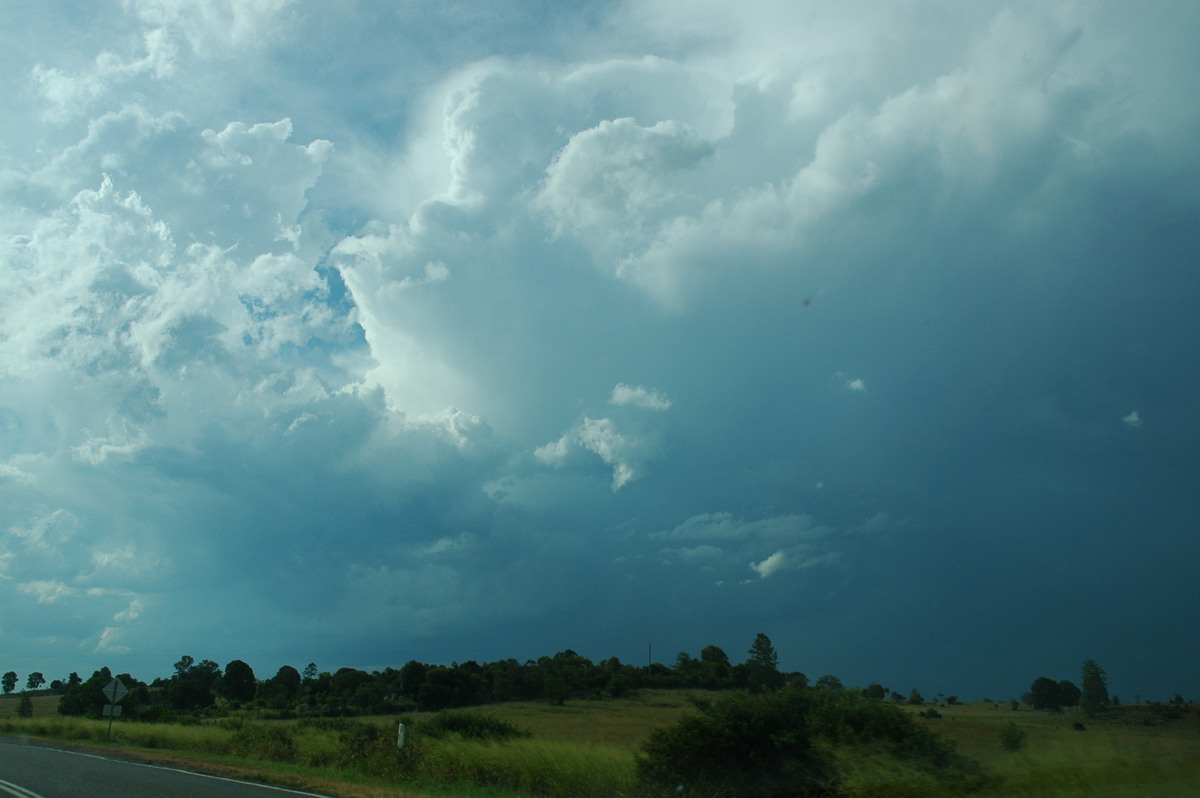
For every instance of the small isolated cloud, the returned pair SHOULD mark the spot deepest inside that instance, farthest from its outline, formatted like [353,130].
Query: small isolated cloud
[694,555]
[792,560]
[852,384]
[1134,419]
[626,453]
[724,526]
[639,396]
[110,641]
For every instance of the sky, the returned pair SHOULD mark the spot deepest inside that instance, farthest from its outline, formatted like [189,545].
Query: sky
[361,332]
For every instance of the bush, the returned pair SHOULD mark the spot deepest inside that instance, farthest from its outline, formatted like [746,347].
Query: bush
[471,725]
[783,743]
[1012,738]
[263,741]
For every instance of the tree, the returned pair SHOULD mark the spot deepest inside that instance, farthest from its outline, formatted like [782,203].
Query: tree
[829,682]
[716,668]
[35,681]
[1094,696]
[1052,696]
[915,698]
[192,685]
[238,684]
[25,707]
[763,664]
[9,681]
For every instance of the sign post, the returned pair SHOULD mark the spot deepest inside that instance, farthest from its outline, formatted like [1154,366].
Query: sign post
[114,691]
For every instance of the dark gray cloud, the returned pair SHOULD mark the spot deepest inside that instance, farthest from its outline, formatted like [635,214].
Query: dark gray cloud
[537,331]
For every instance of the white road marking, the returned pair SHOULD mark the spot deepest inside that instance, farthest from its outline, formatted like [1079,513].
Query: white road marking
[17,790]
[28,794]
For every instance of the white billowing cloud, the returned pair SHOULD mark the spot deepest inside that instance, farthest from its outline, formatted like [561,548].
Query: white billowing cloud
[1134,419]
[12,473]
[384,275]
[614,180]
[70,96]
[856,385]
[639,396]
[135,608]
[47,591]
[110,641]
[625,454]
[47,532]
[796,559]
[210,25]
[122,441]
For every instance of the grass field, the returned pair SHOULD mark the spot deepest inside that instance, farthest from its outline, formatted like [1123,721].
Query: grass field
[587,748]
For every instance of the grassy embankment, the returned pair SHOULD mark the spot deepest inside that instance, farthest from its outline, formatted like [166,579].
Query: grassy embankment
[586,749]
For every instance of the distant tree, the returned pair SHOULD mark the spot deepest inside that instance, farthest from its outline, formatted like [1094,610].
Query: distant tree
[412,676]
[25,707]
[9,681]
[715,668]
[35,681]
[915,698]
[951,699]
[310,672]
[85,698]
[1069,693]
[763,664]
[192,685]
[829,682]
[875,690]
[238,684]
[689,670]
[714,655]
[762,653]
[1094,696]
[1052,696]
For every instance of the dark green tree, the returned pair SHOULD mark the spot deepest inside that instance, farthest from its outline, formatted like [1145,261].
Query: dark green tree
[192,685]
[85,698]
[35,681]
[9,681]
[763,665]
[1094,695]
[25,707]
[829,682]
[1053,696]
[238,684]
[715,668]
[1068,693]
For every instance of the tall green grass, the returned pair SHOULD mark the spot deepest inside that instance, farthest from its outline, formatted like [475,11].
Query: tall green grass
[587,749]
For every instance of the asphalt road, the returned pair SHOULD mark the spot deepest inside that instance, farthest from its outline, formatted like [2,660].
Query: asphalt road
[41,771]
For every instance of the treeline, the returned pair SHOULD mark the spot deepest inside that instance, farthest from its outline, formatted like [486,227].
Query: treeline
[417,686]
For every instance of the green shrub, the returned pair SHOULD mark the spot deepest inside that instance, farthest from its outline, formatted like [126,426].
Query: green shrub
[471,725]
[785,743]
[1012,738]
[264,741]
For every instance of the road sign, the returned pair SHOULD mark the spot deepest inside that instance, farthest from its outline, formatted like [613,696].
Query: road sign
[115,690]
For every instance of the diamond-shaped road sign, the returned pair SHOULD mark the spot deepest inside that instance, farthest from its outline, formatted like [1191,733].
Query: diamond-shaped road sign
[115,690]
